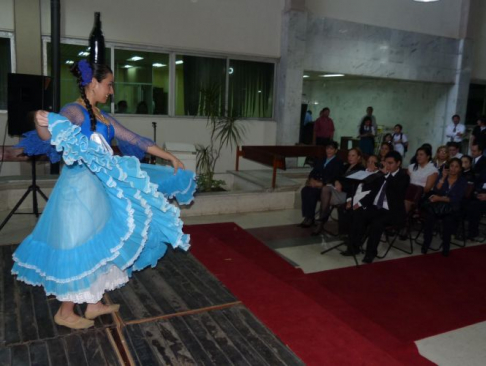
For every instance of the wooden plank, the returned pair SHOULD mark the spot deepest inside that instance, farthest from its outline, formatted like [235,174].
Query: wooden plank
[75,351]
[5,356]
[57,351]
[92,349]
[38,354]
[109,352]
[244,347]
[2,300]
[203,279]
[252,337]
[12,332]
[222,339]
[117,298]
[43,317]
[139,347]
[145,296]
[282,351]
[27,318]
[133,302]
[179,350]
[158,344]
[20,355]
[190,341]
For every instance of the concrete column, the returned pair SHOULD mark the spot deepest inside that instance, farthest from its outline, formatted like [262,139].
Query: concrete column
[290,72]
[458,93]
[28,41]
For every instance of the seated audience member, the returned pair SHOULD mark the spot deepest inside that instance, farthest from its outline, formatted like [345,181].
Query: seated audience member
[325,171]
[385,148]
[467,172]
[444,204]
[383,206]
[454,150]
[388,138]
[333,195]
[441,157]
[478,160]
[413,160]
[476,206]
[345,211]
[423,173]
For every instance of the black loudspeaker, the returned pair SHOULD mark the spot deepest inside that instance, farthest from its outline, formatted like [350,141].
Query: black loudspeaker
[26,94]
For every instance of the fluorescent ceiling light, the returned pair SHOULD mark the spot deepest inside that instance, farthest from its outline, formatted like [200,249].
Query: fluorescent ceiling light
[83,53]
[425,1]
[135,58]
[157,64]
[331,75]
[231,70]
[179,62]
[306,76]
[127,66]
[69,62]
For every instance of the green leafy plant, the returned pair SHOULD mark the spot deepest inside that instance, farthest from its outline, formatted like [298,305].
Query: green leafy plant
[225,130]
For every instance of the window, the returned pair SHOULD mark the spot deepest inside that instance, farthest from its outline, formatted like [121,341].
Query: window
[250,89]
[69,86]
[195,78]
[5,67]
[141,82]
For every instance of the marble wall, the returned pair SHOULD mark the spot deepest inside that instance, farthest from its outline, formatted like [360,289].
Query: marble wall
[420,107]
[360,49]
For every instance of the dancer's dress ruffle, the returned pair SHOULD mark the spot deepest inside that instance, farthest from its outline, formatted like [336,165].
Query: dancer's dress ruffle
[82,247]
[33,145]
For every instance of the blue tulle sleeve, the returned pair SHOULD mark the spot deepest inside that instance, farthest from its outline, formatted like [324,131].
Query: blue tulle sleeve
[129,142]
[34,145]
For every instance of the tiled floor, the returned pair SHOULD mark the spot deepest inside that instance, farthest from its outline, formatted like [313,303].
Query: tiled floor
[279,231]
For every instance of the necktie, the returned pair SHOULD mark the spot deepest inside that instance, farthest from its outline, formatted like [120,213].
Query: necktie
[381,197]
[454,131]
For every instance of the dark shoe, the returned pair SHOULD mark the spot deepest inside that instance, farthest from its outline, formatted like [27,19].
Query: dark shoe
[368,259]
[445,253]
[319,229]
[307,223]
[424,250]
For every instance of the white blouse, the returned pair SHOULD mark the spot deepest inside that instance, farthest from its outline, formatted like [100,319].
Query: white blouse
[419,176]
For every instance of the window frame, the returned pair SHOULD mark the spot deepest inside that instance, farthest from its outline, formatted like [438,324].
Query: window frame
[13,59]
[172,52]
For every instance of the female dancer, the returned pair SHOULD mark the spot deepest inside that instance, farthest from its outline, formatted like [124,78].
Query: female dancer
[105,218]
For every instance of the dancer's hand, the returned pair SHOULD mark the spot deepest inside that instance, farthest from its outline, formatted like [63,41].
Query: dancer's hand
[41,118]
[176,163]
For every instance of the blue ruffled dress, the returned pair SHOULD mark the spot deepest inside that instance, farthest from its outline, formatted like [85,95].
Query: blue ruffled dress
[104,219]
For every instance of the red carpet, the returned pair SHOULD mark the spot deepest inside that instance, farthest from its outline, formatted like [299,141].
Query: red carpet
[369,315]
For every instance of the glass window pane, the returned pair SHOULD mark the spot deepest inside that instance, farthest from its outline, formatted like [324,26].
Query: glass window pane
[69,87]
[250,89]
[194,76]
[5,67]
[141,82]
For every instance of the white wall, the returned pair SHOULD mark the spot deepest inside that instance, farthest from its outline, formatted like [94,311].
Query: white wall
[477,32]
[250,27]
[442,18]
[419,107]
[6,15]
[194,131]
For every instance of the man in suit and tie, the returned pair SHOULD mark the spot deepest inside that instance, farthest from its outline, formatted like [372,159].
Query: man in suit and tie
[478,160]
[382,207]
[325,171]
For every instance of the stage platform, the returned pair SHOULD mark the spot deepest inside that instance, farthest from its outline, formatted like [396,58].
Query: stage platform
[175,314]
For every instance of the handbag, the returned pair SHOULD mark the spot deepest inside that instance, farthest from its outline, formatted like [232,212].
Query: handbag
[439,209]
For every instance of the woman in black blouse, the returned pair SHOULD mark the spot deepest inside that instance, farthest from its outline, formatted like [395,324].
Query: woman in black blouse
[444,204]
[335,193]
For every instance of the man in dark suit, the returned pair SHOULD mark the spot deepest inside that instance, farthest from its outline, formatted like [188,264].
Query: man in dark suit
[478,160]
[325,171]
[383,206]
[476,207]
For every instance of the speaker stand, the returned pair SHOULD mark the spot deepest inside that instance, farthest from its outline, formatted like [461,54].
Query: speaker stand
[34,188]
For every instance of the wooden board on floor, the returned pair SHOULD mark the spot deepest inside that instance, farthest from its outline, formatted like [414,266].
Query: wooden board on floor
[179,283]
[230,336]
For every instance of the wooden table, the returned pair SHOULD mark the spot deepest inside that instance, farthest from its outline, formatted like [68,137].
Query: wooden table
[274,156]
